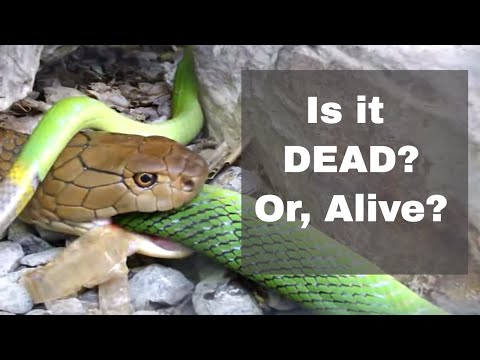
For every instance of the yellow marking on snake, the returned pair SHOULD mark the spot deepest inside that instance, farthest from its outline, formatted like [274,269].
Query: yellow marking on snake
[18,176]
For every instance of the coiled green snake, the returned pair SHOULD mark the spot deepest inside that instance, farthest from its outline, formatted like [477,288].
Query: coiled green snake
[210,223]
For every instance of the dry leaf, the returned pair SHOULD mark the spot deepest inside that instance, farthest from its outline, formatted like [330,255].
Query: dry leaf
[57,93]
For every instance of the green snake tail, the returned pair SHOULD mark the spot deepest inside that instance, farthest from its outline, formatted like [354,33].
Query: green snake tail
[211,225]
[71,115]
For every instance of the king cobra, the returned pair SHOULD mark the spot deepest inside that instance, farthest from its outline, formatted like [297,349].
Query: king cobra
[141,178]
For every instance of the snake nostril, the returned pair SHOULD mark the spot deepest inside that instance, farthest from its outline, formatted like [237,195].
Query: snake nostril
[188,185]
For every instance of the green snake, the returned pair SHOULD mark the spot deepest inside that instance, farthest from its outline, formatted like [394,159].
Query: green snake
[210,223]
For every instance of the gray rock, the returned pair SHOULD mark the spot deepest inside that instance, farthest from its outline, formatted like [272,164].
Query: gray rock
[18,67]
[223,297]
[10,254]
[31,244]
[41,258]
[18,230]
[69,306]
[89,299]
[39,312]
[14,297]
[16,275]
[50,235]
[156,285]
[5,313]
[184,308]
[52,53]
[145,312]
[218,68]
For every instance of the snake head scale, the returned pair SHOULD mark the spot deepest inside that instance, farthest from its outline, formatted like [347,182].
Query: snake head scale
[100,175]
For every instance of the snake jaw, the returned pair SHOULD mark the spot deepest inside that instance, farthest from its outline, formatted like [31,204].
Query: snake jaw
[158,247]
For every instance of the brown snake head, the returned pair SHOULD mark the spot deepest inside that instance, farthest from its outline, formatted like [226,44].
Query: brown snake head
[100,175]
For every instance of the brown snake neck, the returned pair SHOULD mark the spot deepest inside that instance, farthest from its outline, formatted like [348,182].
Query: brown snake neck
[96,177]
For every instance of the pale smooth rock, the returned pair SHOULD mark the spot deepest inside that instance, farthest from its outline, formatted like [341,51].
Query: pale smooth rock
[38,312]
[31,244]
[157,285]
[145,312]
[14,297]
[69,306]
[10,254]
[5,313]
[18,67]
[41,258]
[215,296]
[18,230]
[89,299]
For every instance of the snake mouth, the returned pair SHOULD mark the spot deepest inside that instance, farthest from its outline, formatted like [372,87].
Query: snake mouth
[158,247]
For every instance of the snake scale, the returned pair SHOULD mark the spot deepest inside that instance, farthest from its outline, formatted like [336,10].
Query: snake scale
[210,223]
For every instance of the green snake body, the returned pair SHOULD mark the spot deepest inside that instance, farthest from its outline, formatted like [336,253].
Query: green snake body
[211,223]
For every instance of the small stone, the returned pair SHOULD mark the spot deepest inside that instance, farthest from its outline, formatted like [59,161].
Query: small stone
[14,297]
[18,230]
[16,275]
[41,258]
[167,311]
[31,244]
[186,308]
[89,299]
[69,306]
[157,285]
[223,297]
[10,254]
[39,312]
[5,313]
[145,312]
[50,235]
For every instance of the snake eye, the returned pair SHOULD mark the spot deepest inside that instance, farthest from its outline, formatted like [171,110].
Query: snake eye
[145,179]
